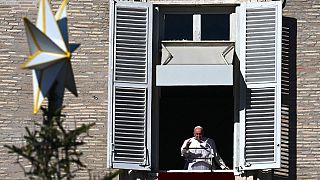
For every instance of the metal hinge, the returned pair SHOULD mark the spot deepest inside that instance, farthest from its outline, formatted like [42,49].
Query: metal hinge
[112,151]
[146,161]
[247,164]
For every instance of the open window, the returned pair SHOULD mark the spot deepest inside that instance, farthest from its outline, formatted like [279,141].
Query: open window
[195,78]
[182,108]
[226,79]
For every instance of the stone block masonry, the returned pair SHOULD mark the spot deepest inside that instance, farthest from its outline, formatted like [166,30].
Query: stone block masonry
[88,26]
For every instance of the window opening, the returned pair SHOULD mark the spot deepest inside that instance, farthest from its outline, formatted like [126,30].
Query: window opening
[197,26]
[178,27]
[215,27]
[182,108]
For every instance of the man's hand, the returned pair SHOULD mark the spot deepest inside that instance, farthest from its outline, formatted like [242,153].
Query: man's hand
[188,144]
[199,155]
[225,168]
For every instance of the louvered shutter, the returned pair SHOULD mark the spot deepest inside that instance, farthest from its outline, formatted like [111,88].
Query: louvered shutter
[130,85]
[259,41]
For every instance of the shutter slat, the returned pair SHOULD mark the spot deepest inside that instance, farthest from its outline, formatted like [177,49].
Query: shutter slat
[131,37]
[131,41]
[133,69]
[260,42]
[258,46]
[130,142]
[131,21]
[131,65]
[129,44]
[259,138]
[129,148]
[133,103]
[259,125]
[130,54]
[259,118]
[261,21]
[261,159]
[261,38]
[264,110]
[261,135]
[259,33]
[129,126]
[129,137]
[129,130]
[128,160]
[265,25]
[128,112]
[125,77]
[129,154]
[129,107]
[133,150]
[121,58]
[131,31]
[266,16]
[130,117]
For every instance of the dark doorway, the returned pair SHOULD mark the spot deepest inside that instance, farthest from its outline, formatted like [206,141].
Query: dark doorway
[184,107]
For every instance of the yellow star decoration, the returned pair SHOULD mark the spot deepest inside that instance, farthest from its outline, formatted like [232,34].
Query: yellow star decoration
[50,54]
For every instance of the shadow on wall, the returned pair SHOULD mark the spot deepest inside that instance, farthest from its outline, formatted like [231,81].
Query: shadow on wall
[289,102]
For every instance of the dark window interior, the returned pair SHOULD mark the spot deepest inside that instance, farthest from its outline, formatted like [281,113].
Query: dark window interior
[182,108]
[178,27]
[215,27]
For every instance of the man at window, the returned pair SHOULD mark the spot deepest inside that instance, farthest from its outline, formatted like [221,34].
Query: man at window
[200,152]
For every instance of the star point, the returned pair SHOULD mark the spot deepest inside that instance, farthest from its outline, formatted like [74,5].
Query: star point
[49,57]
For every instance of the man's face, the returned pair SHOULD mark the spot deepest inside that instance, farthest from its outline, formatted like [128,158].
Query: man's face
[197,133]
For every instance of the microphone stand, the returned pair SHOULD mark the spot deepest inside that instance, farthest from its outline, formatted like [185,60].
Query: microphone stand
[211,153]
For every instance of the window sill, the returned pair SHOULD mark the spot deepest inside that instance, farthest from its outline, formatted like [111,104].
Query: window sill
[184,3]
[190,42]
[190,175]
[194,75]
[195,171]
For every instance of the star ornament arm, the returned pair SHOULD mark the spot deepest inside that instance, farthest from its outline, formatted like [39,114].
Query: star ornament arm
[50,54]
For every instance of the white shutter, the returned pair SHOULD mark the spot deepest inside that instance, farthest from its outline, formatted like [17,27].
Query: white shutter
[130,85]
[260,65]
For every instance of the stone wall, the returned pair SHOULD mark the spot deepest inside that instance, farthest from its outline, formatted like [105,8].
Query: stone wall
[88,26]
[202,1]
[307,132]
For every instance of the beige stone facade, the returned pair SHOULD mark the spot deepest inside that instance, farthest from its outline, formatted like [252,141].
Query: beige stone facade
[88,26]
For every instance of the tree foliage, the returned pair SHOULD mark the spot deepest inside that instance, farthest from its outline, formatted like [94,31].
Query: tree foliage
[51,149]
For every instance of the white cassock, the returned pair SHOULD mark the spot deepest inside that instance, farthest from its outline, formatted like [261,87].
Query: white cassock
[198,155]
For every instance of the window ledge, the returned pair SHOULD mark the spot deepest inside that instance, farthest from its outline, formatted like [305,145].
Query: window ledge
[194,171]
[190,42]
[184,3]
[194,75]
[185,174]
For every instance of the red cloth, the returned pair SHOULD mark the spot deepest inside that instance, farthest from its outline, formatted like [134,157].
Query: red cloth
[196,176]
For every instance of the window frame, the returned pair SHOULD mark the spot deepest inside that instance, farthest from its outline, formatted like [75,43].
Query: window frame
[159,29]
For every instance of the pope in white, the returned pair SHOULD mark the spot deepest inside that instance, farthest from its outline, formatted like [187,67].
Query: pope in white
[199,152]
